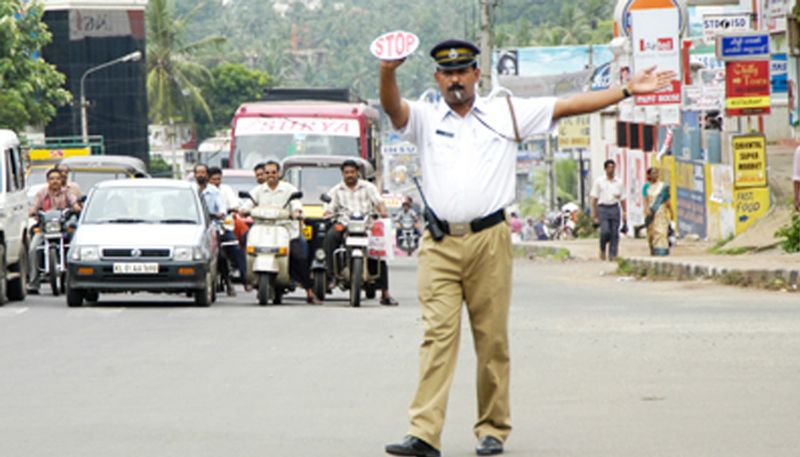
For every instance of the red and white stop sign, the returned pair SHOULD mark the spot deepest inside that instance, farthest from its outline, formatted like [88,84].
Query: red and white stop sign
[394,45]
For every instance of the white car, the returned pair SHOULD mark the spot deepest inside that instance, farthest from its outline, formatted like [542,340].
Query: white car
[143,235]
[13,220]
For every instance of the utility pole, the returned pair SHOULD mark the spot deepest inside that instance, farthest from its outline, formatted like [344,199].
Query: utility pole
[486,44]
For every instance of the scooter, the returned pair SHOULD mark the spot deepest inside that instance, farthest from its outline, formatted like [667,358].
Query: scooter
[268,251]
[408,237]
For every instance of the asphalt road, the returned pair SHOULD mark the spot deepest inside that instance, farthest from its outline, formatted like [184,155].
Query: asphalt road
[600,367]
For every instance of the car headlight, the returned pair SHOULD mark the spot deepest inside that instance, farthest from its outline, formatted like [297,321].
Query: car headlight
[187,253]
[86,253]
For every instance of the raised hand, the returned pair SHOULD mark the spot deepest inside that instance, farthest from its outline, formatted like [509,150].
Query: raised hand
[648,80]
[391,64]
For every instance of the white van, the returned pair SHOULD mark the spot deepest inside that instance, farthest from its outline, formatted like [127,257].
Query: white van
[13,220]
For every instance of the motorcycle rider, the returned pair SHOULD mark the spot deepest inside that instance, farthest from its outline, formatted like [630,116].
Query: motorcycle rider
[71,186]
[54,196]
[228,194]
[215,204]
[350,196]
[406,214]
[275,192]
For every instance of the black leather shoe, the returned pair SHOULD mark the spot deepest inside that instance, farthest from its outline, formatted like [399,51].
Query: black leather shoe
[489,445]
[413,446]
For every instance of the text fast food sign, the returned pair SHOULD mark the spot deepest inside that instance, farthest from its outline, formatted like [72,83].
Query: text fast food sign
[394,45]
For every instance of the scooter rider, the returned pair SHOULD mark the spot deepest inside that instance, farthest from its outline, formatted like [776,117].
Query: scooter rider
[406,214]
[354,195]
[217,208]
[54,196]
[275,192]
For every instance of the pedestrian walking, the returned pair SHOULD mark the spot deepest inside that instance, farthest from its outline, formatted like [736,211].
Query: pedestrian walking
[796,178]
[468,146]
[608,208]
[658,214]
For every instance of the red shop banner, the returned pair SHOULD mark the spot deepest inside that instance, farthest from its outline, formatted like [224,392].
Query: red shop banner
[747,88]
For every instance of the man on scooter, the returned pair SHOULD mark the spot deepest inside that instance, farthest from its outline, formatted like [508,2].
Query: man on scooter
[217,209]
[54,196]
[406,214]
[354,195]
[275,192]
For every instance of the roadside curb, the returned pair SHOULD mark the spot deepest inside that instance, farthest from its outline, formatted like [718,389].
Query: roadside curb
[644,267]
[531,252]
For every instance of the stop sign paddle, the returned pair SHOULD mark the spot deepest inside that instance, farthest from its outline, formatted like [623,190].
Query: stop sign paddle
[394,45]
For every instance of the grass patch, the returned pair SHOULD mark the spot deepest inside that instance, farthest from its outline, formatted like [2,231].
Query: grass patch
[719,245]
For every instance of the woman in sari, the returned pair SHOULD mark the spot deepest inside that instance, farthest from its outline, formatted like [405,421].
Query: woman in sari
[659,214]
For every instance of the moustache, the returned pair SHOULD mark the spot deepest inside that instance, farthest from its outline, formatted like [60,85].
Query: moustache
[457,90]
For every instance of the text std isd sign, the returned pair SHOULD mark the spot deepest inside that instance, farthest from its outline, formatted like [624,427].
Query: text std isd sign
[743,46]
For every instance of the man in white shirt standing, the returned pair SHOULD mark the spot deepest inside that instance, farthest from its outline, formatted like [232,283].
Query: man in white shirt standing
[796,178]
[467,146]
[608,196]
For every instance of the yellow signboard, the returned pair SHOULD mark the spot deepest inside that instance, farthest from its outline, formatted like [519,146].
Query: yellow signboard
[573,132]
[750,205]
[749,161]
[747,102]
[57,154]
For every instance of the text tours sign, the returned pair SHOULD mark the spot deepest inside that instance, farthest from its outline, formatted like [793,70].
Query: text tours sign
[749,161]
[655,43]
[747,88]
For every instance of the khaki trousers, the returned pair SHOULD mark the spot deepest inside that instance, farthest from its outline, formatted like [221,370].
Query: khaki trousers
[475,269]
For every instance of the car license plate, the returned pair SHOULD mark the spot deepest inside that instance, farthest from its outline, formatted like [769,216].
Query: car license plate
[357,241]
[308,231]
[135,268]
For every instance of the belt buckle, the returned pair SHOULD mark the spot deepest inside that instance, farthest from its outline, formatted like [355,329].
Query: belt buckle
[459,229]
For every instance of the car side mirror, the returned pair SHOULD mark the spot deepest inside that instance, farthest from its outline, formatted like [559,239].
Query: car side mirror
[325,198]
[82,199]
[246,194]
[296,195]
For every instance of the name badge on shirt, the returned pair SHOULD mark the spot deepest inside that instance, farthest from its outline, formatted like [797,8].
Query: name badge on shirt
[445,134]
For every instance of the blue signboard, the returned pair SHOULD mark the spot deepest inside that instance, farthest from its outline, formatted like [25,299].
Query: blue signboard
[778,67]
[751,46]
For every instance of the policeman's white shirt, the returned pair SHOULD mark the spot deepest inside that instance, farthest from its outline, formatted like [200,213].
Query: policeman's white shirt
[265,196]
[608,192]
[469,171]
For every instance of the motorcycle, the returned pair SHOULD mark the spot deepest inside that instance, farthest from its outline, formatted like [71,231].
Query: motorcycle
[268,251]
[409,240]
[350,271]
[57,228]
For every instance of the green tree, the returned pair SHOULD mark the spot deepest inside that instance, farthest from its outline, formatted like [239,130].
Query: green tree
[30,88]
[173,72]
[230,86]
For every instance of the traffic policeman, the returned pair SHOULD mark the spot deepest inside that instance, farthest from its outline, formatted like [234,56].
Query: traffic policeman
[467,146]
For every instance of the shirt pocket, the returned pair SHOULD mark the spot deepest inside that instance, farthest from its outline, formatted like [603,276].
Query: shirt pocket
[443,150]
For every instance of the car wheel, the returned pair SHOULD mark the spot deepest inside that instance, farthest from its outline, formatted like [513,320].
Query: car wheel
[202,297]
[91,296]
[17,288]
[53,270]
[3,276]
[74,297]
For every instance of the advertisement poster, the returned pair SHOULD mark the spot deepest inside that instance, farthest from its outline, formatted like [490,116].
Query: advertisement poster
[691,196]
[747,88]
[655,43]
[750,205]
[778,70]
[749,161]
[573,133]
[636,170]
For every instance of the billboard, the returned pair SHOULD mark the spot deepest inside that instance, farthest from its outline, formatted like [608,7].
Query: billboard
[655,42]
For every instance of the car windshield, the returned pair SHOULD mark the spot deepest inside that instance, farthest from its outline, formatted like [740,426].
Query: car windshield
[37,176]
[87,179]
[253,149]
[142,204]
[239,183]
[313,181]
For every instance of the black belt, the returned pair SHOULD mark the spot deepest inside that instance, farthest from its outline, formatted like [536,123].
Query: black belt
[475,225]
[609,205]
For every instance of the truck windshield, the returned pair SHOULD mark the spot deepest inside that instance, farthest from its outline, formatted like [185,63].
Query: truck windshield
[259,139]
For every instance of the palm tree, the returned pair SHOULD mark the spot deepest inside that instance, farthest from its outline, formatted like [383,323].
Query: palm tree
[173,74]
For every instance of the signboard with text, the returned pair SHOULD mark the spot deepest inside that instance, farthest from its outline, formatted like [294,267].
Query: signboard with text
[691,197]
[743,46]
[716,24]
[655,42]
[750,205]
[747,88]
[394,45]
[749,161]
[297,126]
[573,132]
[778,70]
[57,154]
